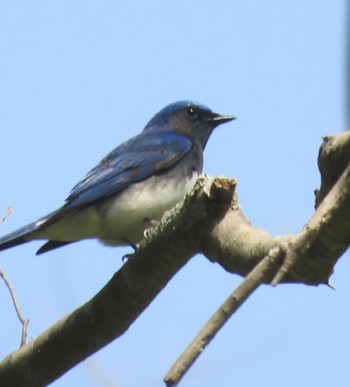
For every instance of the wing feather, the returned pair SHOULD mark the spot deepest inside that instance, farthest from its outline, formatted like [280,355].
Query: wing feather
[134,161]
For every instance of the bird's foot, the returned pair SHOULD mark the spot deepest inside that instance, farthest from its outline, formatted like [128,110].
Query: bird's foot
[126,257]
[153,223]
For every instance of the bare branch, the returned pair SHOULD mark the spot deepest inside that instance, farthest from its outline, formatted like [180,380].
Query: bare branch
[333,158]
[263,272]
[7,213]
[336,204]
[238,247]
[209,221]
[23,321]
[110,313]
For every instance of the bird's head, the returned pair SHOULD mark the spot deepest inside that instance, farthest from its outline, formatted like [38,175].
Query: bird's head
[188,118]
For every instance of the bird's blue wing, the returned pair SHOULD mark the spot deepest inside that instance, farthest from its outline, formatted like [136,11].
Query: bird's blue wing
[135,160]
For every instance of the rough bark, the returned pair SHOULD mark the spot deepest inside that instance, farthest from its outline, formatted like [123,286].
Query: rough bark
[208,221]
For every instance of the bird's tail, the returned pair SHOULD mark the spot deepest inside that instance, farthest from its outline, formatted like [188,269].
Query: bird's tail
[25,233]
[18,237]
[28,233]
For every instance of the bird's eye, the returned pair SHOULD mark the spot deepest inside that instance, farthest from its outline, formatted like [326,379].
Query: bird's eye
[192,112]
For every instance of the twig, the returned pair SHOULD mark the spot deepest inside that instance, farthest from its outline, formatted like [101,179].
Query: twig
[23,321]
[262,272]
[7,213]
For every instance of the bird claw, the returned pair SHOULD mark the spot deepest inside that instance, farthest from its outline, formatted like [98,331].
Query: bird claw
[126,257]
[147,231]
[153,224]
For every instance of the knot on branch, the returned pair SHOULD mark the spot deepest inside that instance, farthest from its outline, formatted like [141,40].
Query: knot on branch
[333,158]
[223,190]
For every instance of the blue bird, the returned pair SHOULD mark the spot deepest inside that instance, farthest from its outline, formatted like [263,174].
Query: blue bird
[131,188]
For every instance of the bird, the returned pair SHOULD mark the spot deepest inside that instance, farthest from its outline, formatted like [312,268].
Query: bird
[131,188]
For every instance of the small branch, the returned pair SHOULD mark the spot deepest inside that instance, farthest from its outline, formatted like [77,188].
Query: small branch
[23,321]
[7,213]
[262,273]
[333,205]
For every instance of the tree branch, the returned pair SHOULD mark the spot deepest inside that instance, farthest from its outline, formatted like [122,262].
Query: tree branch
[9,286]
[7,214]
[209,220]
[263,272]
[301,254]
[117,305]
[312,242]
[238,247]
[22,320]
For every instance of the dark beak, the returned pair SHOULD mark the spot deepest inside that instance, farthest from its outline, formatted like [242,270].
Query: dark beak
[218,119]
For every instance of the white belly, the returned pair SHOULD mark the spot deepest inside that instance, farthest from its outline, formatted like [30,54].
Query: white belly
[125,217]
[122,219]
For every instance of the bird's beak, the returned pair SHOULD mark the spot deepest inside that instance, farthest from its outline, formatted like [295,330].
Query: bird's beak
[219,119]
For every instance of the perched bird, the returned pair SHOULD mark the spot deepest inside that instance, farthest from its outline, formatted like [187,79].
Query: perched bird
[131,188]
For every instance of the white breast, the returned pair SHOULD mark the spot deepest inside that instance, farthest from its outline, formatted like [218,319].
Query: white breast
[125,217]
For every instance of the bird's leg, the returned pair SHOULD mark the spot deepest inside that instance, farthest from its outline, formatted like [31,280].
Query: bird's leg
[126,257]
[152,223]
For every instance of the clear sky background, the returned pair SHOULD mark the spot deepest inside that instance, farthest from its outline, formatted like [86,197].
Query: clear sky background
[77,78]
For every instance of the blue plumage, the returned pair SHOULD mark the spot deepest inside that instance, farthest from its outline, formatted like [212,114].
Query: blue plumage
[133,185]
[134,161]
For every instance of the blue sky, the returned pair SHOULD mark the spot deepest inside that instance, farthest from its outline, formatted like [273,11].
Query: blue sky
[78,78]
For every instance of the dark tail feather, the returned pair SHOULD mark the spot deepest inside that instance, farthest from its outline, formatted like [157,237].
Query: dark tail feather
[17,237]
[8,242]
[23,234]
[50,245]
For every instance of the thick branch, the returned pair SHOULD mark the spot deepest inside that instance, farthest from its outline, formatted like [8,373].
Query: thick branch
[209,221]
[333,158]
[117,305]
[299,254]
[238,247]
[311,250]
